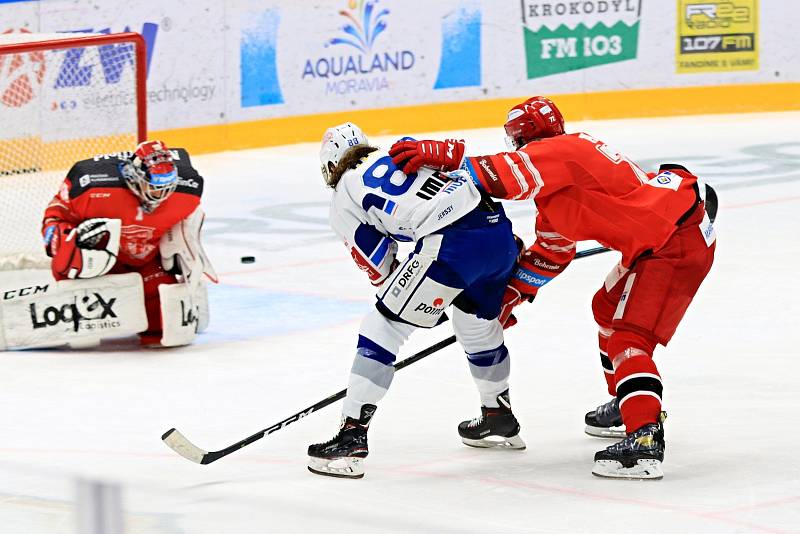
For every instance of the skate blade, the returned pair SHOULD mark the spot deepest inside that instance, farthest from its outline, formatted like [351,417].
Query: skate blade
[645,469]
[337,467]
[496,442]
[616,432]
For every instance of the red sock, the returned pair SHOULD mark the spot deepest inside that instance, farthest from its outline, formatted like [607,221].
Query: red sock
[638,383]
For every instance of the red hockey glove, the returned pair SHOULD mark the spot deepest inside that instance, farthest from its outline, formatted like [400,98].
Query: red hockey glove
[409,156]
[511,298]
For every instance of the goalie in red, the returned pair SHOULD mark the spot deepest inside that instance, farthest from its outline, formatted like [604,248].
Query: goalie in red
[660,222]
[136,212]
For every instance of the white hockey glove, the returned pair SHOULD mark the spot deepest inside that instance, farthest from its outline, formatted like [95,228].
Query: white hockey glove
[181,248]
[89,250]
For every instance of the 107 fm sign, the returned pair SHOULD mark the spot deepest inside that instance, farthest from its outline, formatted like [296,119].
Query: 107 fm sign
[718,43]
[717,35]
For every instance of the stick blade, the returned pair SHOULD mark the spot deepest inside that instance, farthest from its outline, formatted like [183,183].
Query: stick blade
[178,443]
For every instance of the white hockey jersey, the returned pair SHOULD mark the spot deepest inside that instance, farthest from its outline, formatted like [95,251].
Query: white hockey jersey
[375,205]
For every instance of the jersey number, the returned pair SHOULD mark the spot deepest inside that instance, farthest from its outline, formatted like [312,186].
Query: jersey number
[383,182]
[615,157]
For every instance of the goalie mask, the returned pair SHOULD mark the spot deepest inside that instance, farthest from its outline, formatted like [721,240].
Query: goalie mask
[335,143]
[535,118]
[151,174]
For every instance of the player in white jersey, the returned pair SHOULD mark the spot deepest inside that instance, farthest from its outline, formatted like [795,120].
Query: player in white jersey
[464,255]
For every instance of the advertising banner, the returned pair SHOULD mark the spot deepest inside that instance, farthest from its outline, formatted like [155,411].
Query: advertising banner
[717,35]
[185,69]
[349,54]
[226,62]
[561,36]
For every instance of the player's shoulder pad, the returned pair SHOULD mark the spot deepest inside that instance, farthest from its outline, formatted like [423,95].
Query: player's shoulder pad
[99,171]
[189,180]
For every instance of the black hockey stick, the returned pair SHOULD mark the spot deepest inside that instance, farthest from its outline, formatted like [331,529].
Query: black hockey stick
[178,442]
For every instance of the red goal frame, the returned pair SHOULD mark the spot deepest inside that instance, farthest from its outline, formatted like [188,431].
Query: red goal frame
[99,40]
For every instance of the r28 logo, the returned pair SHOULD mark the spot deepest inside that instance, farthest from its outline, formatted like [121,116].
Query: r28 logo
[87,308]
[715,15]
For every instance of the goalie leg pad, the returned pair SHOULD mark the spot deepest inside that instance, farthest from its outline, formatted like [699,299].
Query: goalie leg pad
[74,312]
[200,298]
[179,314]
[181,249]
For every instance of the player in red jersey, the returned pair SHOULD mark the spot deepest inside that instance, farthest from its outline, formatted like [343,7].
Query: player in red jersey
[584,190]
[136,212]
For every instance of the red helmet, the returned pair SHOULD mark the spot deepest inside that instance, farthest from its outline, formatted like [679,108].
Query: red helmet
[535,118]
[151,174]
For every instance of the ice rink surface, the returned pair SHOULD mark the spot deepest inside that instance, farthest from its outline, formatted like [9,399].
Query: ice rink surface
[282,336]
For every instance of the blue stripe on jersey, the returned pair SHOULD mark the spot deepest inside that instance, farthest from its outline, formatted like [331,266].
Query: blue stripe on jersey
[369,349]
[530,277]
[371,200]
[467,166]
[380,252]
[390,206]
[367,238]
[403,238]
[488,358]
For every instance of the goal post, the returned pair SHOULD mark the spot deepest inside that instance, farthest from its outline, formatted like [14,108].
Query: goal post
[63,98]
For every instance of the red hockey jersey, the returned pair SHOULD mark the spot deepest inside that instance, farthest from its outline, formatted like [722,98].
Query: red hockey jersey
[95,188]
[585,190]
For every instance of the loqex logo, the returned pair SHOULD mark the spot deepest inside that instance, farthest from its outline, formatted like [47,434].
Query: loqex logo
[364,68]
[21,75]
[79,69]
[78,314]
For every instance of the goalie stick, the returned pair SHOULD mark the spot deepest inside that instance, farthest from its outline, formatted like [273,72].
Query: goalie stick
[180,444]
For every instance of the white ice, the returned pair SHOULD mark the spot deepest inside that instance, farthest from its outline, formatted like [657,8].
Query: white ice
[282,337]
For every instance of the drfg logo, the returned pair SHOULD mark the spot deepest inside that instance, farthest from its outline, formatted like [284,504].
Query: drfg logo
[408,274]
[404,279]
[87,308]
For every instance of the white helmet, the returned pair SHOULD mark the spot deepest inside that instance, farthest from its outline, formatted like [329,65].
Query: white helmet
[335,143]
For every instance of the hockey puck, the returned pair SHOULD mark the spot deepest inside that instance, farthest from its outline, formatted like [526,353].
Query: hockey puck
[248,259]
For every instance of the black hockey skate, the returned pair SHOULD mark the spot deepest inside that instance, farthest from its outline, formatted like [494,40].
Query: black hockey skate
[638,456]
[496,427]
[343,455]
[605,421]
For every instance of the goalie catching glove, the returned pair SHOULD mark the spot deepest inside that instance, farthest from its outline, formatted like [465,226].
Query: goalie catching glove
[87,251]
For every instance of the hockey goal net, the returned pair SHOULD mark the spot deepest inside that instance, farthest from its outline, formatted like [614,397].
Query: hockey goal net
[63,98]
